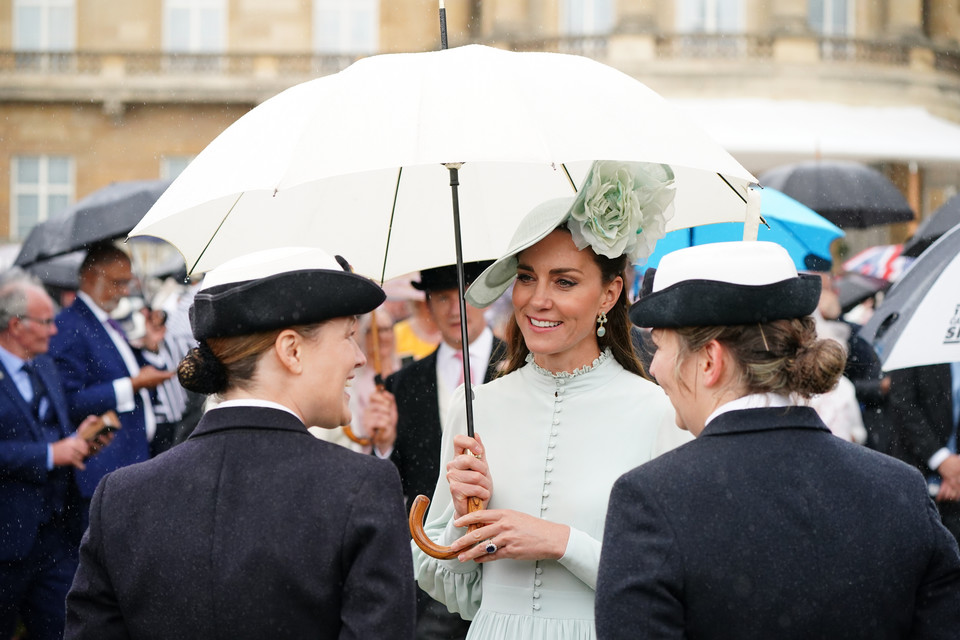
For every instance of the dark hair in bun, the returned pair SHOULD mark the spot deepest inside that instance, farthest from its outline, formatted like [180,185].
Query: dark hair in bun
[201,372]
[216,365]
[783,356]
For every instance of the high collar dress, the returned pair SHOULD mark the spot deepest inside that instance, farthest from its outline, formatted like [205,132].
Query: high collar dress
[555,444]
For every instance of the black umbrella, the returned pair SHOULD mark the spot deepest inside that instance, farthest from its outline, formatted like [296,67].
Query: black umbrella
[60,272]
[106,214]
[847,194]
[941,221]
[854,288]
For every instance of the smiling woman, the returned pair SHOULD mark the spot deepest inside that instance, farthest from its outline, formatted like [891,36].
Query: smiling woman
[303,535]
[572,386]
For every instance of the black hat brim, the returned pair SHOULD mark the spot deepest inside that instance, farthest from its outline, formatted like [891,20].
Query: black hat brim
[280,301]
[707,303]
[445,277]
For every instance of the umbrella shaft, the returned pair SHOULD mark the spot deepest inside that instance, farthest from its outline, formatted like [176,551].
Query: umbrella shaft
[461,289]
[443,26]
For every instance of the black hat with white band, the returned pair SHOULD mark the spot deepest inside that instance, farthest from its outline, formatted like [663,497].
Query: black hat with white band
[726,283]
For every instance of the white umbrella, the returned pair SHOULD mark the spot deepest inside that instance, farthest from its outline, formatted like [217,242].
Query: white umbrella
[918,322]
[355,162]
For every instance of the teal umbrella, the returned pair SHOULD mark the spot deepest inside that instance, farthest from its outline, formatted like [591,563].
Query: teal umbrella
[804,233]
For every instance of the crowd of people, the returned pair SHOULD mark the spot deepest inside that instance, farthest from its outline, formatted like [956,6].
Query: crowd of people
[706,461]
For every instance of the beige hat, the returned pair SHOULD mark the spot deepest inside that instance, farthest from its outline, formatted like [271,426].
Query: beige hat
[622,208]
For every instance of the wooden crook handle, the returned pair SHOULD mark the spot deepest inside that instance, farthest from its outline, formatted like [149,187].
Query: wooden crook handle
[347,431]
[429,547]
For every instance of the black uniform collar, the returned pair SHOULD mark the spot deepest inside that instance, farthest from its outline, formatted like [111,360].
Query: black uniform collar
[764,419]
[222,419]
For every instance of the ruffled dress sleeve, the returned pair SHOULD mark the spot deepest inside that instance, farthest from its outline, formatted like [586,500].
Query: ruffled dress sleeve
[456,584]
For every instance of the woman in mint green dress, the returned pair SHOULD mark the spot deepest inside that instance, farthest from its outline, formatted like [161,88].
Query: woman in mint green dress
[571,414]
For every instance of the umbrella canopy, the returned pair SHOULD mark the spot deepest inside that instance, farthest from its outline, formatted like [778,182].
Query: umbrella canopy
[918,322]
[854,288]
[355,163]
[942,220]
[849,194]
[796,227]
[61,271]
[106,214]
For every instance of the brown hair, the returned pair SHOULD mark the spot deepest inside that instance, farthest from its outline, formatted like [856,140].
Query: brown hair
[783,356]
[617,336]
[218,364]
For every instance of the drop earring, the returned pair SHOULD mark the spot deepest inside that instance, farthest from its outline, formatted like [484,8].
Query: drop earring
[601,320]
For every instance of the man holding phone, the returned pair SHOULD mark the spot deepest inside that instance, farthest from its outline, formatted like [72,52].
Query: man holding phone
[40,519]
[100,370]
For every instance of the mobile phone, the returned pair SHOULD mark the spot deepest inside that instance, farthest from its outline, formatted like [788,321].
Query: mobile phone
[111,423]
[107,428]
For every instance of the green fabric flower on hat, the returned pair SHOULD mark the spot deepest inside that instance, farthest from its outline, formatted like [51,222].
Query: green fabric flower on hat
[623,208]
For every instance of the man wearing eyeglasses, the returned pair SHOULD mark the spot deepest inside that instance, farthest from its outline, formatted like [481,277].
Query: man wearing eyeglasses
[100,370]
[40,521]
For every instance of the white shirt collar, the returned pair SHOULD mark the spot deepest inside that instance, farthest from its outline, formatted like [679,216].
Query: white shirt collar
[256,402]
[101,315]
[481,345]
[751,401]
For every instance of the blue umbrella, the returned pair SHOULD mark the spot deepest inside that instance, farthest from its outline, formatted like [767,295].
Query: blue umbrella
[804,233]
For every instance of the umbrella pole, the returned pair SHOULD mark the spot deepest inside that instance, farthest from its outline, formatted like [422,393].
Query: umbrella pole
[419,508]
[461,289]
[377,379]
[443,26]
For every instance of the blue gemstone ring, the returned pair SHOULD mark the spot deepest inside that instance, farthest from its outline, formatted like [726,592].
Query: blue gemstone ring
[490,548]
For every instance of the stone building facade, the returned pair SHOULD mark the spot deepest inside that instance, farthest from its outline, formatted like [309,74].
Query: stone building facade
[95,91]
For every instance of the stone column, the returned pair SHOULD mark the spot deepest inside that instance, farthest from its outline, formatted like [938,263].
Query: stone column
[789,17]
[636,15]
[905,19]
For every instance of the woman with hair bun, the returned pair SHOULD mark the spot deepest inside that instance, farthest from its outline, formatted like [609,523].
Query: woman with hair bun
[253,528]
[766,525]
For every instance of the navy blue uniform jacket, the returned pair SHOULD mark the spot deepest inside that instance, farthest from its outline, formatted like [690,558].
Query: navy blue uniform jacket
[768,526]
[251,528]
[29,493]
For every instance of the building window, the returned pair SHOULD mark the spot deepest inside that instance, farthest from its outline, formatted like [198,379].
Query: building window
[44,34]
[586,17]
[346,26]
[831,17]
[706,27]
[43,25]
[710,16]
[192,30]
[41,188]
[173,166]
